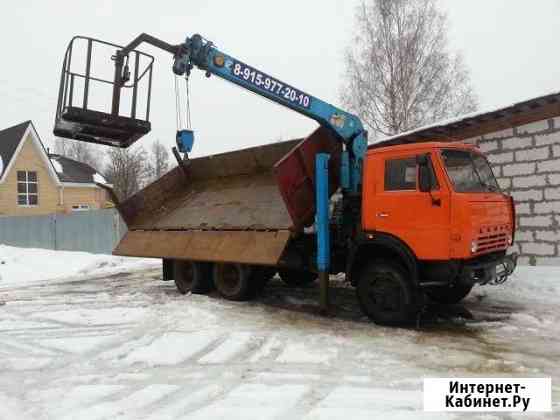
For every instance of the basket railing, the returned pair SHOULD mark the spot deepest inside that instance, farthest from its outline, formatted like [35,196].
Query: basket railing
[70,96]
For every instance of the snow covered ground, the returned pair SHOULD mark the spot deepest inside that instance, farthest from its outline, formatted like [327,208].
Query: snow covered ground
[99,337]
[25,266]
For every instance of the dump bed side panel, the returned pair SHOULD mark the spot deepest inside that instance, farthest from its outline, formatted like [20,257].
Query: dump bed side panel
[262,248]
[153,199]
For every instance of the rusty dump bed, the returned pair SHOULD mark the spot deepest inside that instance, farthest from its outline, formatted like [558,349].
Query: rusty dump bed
[240,206]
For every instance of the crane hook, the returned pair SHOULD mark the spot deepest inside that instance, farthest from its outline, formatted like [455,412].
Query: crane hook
[185,134]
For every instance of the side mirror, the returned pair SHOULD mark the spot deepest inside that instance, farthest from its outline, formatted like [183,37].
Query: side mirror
[424,176]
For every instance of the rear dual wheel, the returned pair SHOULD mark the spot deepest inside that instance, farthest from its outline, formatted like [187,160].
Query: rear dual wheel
[191,276]
[240,282]
[233,281]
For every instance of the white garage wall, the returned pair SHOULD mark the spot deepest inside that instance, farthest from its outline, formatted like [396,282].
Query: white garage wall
[526,161]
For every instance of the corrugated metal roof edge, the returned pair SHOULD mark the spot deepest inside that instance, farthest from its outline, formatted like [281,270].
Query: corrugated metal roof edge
[482,122]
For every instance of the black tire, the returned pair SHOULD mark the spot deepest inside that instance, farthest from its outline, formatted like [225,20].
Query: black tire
[233,281]
[190,276]
[449,295]
[297,278]
[386,295]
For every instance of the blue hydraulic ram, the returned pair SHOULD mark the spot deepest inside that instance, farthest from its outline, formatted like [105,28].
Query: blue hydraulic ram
[322,225]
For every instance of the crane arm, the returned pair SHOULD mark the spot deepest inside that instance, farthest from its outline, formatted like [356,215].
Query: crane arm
[202,54]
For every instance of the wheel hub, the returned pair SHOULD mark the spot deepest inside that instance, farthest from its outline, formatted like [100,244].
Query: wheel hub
[229,278]
[386,294]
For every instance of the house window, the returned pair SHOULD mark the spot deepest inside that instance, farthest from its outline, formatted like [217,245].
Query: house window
[27,188]
[80,207]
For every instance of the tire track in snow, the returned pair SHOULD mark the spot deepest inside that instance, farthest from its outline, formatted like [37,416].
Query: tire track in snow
[129,406]
[232,368]
[230,347]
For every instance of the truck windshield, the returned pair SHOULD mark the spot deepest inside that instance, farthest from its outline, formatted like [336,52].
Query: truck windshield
[469,171]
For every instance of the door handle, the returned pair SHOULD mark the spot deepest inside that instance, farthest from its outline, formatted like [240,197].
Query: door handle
[382,214]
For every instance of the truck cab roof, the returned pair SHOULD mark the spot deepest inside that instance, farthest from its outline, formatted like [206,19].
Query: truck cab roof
[430,145]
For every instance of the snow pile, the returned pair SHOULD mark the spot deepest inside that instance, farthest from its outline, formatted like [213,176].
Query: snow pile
[97,177]
[57,166]
[19,265]
[540,284]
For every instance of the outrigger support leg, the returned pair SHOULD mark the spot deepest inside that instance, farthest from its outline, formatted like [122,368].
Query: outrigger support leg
[322,227]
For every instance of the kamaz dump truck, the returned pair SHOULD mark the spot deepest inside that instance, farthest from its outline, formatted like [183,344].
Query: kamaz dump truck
[402,221]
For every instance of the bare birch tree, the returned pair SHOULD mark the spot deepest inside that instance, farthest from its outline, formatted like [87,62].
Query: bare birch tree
[80,151]
[159,160]
[400,72]
[126,169]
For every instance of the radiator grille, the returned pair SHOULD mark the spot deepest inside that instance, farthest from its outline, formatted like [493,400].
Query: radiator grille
[491,239]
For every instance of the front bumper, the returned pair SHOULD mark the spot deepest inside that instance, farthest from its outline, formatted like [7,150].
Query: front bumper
[496,271]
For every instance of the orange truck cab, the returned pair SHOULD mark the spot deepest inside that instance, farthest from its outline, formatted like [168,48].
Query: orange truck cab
[433,215]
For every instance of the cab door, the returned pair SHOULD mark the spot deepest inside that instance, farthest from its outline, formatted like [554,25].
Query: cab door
[420,219]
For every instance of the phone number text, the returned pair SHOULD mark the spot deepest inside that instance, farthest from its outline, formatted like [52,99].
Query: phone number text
[270,84]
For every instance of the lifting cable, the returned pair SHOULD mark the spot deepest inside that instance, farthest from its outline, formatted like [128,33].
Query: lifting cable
[188,111]
[182,106]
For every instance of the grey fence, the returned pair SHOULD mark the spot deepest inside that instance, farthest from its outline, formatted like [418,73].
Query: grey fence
[96,231]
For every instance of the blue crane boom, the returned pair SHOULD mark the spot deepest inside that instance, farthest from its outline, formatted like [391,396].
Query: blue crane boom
[202,54]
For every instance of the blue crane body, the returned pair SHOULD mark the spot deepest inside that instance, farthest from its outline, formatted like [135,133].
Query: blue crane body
[197,52]
[200,53]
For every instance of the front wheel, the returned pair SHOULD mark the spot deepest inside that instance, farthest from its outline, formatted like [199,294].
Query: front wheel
[449,294]
[385,294]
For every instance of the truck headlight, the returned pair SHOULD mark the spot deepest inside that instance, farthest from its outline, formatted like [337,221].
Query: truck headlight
[509,240]
[474,247]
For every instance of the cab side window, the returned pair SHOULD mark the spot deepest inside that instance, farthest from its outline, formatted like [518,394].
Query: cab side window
[400,174]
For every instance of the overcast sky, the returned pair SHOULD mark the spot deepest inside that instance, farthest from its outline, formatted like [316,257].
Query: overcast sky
[510,47]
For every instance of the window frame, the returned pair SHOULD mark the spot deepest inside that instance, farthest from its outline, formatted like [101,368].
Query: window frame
[385,173]
[435,180]
[26,182]
[81,207]
[472,154]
